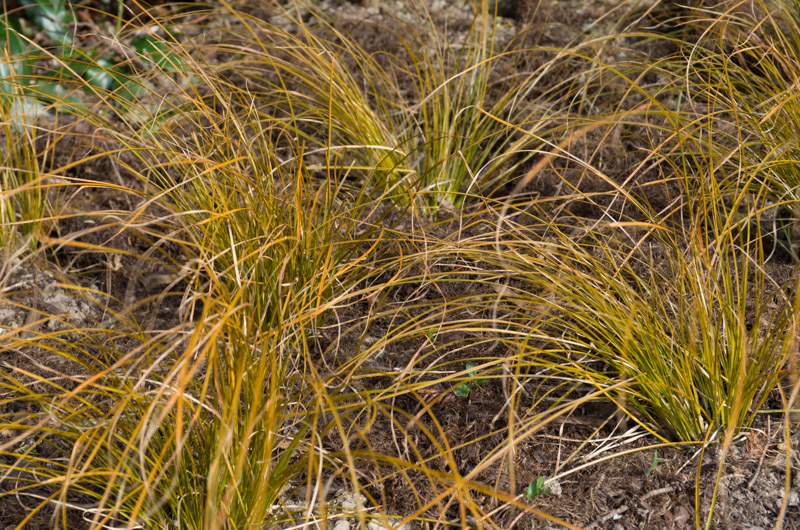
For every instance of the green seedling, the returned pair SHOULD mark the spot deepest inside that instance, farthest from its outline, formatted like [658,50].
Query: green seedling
[475,382]
[536,488]
[653,464]
[431,334]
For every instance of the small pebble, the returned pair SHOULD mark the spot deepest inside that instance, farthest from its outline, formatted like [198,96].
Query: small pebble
[554,486]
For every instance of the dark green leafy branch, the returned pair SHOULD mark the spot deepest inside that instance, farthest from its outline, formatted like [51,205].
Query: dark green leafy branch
[30,85]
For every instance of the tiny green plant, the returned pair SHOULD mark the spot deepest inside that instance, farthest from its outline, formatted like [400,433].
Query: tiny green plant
[654,463]
[474,382]
[536,488]
[431,334]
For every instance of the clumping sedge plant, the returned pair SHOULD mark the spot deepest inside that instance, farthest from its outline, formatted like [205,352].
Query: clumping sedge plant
[745,69]
[203,425]
[678,334]
[276,248]
[22,184]
[434,146]
[21,204]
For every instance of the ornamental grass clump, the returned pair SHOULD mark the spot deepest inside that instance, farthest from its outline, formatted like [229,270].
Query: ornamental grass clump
[695,338]
[431,123]
[22,180]
[204,424]
[744,72]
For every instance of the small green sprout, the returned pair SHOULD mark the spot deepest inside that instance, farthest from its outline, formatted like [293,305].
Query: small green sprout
[653,464]
[431,334]
[536,488]
[466,388]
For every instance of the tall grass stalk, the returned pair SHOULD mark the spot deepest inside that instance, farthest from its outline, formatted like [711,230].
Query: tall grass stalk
[22,180]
